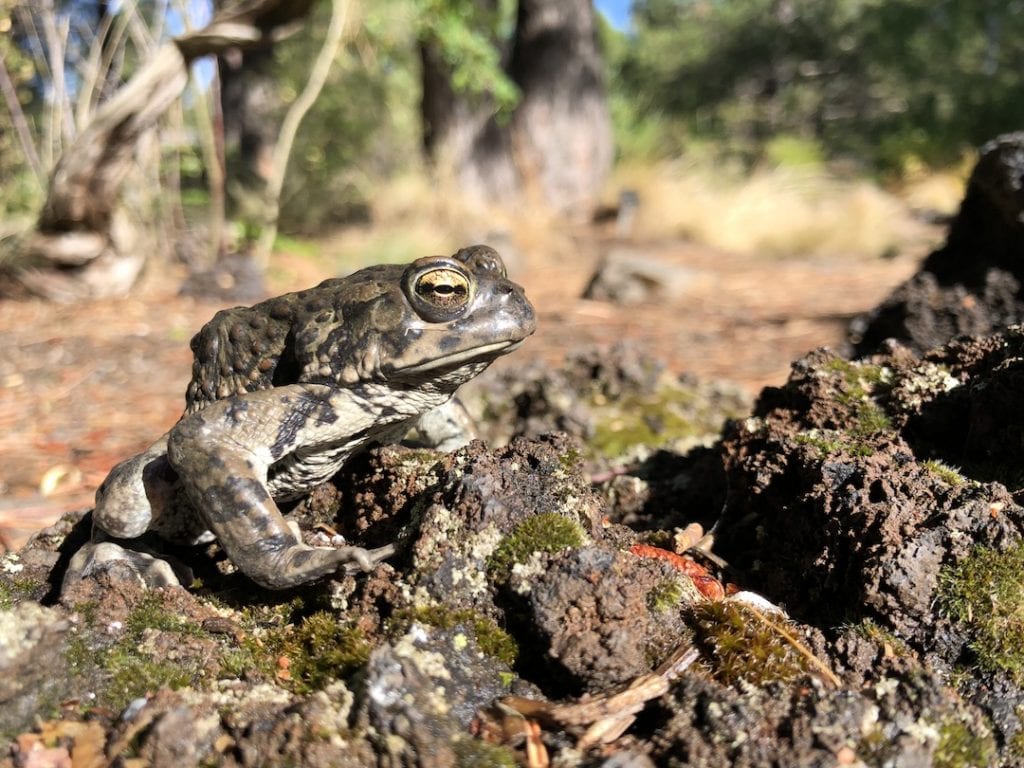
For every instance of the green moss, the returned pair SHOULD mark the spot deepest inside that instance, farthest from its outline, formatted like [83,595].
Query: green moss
[861,384]
[1015,746]
[544,532]
[962,747]
[667,595]
[861,378]
[740,646]
[674,412]
[321,649]
[985,593]
[490,638]
[870,419]
[133,673]
[476,753]
[829,441]
[265,627]
[870,631]
[947,474]
[126,669]
[570,460]
[874,747]
[14,590]
[151,613]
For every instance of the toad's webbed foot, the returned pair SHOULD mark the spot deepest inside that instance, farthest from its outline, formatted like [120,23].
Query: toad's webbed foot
[151,571]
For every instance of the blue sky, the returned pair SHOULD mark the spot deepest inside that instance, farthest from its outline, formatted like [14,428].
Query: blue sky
[616,11]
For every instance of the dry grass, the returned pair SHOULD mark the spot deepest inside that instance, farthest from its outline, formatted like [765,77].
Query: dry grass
[415,216]
[772,212]
[787,212]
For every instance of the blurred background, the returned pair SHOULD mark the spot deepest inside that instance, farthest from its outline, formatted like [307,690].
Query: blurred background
[727,183]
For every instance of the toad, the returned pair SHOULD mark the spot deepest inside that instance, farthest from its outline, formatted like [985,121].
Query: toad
[283,393]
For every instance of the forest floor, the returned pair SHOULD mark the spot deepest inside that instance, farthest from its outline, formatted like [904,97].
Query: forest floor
[85,386]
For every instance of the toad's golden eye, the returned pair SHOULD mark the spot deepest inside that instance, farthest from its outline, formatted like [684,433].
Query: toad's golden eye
[444,288]
[439,291]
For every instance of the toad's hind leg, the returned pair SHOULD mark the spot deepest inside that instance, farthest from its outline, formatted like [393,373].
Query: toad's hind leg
[134,493]
[225,482]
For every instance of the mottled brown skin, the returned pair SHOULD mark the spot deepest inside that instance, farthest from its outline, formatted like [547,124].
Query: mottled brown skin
[284,392]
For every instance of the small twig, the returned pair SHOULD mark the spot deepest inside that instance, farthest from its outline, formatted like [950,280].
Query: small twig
[610,474]
[829,676]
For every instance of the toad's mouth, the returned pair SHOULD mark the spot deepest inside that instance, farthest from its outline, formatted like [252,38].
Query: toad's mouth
[485,352]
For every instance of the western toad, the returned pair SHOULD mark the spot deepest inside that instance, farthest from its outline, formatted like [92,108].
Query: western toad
[284,392]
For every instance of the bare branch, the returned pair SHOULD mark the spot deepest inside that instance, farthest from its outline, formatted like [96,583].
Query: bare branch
[97,65]
[292,120]
[28,148]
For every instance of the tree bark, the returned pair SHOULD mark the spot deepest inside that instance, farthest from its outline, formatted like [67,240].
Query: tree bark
[557,148]
[561,128]
[250,107]
[82,247]
[461,137]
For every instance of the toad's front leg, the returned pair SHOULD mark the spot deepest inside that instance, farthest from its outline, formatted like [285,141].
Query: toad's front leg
[222,455]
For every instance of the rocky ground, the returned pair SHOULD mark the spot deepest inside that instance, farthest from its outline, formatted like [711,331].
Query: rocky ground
[833,578]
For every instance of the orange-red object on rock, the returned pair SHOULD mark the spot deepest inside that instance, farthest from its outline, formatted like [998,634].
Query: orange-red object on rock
[706,584]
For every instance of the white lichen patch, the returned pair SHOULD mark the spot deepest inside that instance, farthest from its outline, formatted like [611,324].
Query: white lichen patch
[23,626]
[234,694]
[923,383]
[430,663]
[524,574]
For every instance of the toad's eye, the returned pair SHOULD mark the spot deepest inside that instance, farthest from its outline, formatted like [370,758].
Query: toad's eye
[440,293]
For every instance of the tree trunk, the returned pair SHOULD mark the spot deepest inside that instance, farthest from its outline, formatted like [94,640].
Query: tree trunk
[250,106]
[557,148]
[82,246]
[461,137]
[561,128]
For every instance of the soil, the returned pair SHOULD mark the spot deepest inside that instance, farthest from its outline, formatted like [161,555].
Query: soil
[84,386]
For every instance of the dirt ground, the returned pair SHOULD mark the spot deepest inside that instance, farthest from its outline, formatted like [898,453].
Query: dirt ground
[84,386]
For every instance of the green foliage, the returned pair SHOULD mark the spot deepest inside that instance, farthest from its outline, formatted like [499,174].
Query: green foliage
[544,532]
[364,125]
[985,593]
[892,83]
[21,191]
[470,36]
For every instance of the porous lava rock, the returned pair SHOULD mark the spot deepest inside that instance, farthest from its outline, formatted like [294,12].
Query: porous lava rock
[852,496]
[842,506]
[595,611]
[972,284]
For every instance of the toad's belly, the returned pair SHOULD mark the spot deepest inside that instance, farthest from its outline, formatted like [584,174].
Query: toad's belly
[296,475]
[299,472]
